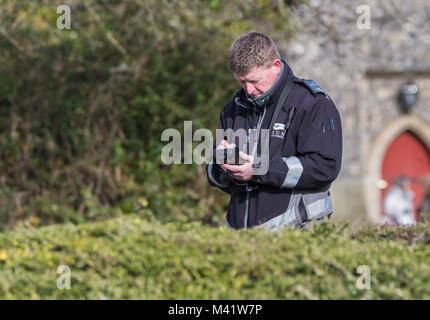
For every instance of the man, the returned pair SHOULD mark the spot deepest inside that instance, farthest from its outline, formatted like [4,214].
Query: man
[305,142]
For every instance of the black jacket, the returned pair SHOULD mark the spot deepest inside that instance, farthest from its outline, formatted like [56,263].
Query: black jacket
[304,157]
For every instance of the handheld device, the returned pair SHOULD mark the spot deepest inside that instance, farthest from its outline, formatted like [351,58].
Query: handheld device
[229,156]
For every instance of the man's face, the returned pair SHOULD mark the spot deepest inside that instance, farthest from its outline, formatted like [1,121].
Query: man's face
[259,79]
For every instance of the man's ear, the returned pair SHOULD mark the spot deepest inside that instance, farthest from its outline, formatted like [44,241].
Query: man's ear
[277,65]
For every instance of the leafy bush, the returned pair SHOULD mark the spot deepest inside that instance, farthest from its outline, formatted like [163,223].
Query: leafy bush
[82,110]
[139,258]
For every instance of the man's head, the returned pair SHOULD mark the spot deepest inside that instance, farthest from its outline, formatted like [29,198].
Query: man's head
[255,62]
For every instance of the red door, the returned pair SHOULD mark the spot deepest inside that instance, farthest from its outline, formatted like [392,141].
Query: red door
[406,156]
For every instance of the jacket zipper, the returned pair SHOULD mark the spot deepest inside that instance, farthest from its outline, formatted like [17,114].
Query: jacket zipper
[260,121]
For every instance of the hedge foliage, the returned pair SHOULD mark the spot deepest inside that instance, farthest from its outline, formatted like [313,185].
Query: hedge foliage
[135,258]
[82,110]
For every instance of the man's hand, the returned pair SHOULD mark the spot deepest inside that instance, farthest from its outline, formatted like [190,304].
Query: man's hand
[241,172]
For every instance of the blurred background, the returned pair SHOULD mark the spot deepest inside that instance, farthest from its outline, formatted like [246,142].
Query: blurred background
[82,109]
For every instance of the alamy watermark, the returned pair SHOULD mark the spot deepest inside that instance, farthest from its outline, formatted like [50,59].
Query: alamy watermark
[363,282]
[364,21]
[63,281]
[65,20]
[173,151]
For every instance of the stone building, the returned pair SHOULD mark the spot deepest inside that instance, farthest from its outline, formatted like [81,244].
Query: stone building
[362,64]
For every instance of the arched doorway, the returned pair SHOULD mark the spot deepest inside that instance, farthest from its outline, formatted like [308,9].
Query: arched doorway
[407,156]
[375,153]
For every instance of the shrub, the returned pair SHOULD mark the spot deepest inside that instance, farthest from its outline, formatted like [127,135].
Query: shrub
[82,110]
[134,258]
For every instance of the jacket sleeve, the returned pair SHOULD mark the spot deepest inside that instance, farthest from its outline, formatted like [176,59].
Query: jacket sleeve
[317,161]
[215,175]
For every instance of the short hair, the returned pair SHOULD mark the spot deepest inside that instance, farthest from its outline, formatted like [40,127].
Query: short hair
[251,49]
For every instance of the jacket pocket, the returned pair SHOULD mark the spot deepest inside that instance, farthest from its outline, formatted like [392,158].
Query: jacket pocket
[317,205]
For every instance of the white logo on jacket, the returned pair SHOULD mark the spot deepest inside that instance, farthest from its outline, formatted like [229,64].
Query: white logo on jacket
[279,126]
[278,130]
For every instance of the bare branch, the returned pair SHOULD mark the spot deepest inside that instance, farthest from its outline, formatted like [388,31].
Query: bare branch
[12,41]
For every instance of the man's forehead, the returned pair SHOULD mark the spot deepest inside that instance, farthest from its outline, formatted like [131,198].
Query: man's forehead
[255,72]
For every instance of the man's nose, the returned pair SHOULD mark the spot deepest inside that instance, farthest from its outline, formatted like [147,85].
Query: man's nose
[249,88]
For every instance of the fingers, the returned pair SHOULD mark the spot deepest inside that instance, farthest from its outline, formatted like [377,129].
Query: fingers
[224,145]
[238,176]
[227,145]
[238,168]
[230,145]
[221,145]
[232,167]
[246,157]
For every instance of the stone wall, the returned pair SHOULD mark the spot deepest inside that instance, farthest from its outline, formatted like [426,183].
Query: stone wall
[362,71]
